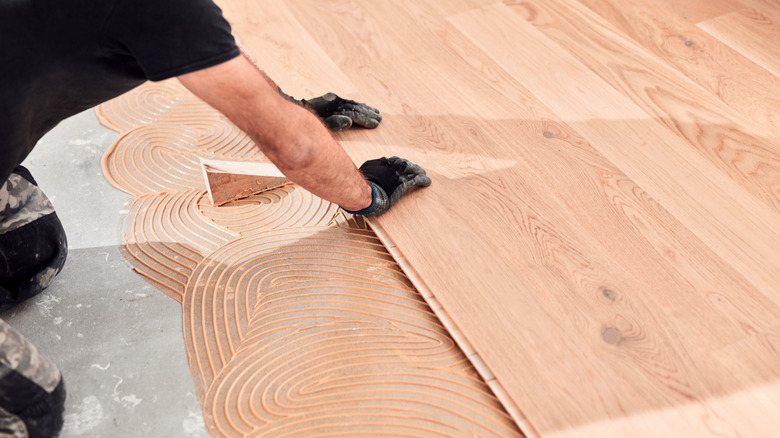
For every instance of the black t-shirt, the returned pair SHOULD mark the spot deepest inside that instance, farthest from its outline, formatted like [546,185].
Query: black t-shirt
[58,58]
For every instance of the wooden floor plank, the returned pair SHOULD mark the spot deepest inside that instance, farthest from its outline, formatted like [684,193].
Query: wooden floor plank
[695,11]
[710,126]
[602,227]
[768,8]
[751,33]
[597,106]
[717,67]
[290,55]
[643,148]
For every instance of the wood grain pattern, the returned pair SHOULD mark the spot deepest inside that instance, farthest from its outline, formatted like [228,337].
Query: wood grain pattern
[751,32]
[290,53]
[602,232]
[714,65]
[707,123]
[695,11]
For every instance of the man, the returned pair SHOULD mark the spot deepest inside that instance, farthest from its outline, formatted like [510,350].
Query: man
[60,58]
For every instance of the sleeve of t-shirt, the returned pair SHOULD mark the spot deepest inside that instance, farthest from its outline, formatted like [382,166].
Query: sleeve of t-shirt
[172,37]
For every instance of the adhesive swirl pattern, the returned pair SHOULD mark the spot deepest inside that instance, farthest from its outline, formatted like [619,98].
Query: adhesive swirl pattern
[297,321]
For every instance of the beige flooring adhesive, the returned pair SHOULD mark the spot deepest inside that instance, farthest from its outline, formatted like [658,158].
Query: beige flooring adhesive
[297,321]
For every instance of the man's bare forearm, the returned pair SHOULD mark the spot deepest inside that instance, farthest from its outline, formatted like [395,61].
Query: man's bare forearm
[303,149]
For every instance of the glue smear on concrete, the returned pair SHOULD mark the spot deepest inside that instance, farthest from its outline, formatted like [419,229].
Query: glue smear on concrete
[297,321]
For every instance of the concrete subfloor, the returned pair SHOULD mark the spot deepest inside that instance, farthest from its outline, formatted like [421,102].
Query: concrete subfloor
[117,339]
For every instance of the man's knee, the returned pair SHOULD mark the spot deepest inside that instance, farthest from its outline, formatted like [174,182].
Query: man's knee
[33,246]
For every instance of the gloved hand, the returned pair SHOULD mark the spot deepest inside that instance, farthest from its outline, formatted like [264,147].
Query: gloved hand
[390,178]
[339,114]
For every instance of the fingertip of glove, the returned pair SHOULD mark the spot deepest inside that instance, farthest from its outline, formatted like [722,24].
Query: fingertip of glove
[406,166]
[423,180]
[360,118]
[338,123]
[369,123]
[373,113]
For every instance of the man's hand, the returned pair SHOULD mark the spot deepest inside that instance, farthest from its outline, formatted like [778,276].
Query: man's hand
[339,114]
[390,178]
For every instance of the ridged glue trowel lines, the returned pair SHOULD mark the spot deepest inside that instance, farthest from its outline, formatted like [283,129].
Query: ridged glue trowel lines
[140,106]
[153,159]
[166,236]
[346,394]
[164,132]
[318,332]
[166,101]
[163,157]
[224,290]
[288,206]
[222,139]
[168,104]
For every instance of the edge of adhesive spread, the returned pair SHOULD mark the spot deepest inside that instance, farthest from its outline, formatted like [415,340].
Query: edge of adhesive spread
[498,389]
[297,320]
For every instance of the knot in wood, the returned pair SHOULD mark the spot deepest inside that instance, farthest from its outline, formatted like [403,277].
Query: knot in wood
[611,335]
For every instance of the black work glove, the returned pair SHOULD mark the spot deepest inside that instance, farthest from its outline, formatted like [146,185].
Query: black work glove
[339,114]
[390,178]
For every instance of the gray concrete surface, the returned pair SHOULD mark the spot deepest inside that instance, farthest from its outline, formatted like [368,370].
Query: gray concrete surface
[117,340]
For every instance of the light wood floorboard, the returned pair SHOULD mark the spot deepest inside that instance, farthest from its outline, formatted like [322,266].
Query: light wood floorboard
[695,11]
[678,42]
[603,228]
[750,31]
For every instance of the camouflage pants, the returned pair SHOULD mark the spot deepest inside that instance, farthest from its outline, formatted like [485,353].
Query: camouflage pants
[33,249]
[33,246]
[32,392]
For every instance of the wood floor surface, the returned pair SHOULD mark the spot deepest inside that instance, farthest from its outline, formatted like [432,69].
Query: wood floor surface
[603,229]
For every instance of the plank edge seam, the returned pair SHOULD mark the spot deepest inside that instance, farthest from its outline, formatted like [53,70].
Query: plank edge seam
[468,350]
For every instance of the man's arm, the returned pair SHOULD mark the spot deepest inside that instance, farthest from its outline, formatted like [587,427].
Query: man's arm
[290,136]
